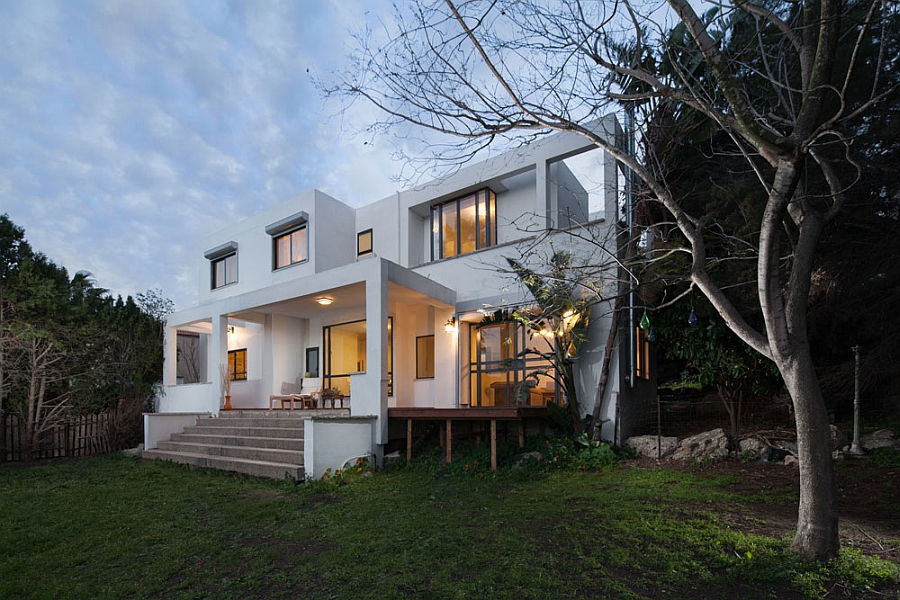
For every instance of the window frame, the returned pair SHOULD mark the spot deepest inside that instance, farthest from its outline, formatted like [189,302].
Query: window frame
[233,373]
[289,235]
[371,243]
[224,260]
[485,225]
[425,371]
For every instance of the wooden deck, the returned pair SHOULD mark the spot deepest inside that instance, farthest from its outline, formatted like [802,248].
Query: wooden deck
[448,415]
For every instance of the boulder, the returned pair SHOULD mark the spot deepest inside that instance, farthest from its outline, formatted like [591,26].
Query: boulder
[839,439]
[883,438]
[646,445]
[754,449]
[527,458]
[137,451]
[708,445]
[791,461]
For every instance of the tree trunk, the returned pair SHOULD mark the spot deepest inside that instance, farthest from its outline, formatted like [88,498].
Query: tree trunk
[817,521]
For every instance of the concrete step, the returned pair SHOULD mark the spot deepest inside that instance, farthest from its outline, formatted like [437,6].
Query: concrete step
[238,430]
[275,443]
[297,413]
[284,423]
[254,468]
[294,457]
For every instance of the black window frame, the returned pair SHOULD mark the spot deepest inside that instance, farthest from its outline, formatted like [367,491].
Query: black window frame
[359,238]
[437,224]
[233,373]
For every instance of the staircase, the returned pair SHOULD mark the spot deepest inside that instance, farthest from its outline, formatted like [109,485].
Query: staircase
[258,443]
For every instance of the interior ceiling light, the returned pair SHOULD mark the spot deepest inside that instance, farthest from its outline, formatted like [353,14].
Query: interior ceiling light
[324,300]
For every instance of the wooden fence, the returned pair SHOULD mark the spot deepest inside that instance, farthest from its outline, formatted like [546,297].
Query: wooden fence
[87,435]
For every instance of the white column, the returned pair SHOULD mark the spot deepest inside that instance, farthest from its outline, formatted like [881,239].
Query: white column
[170,363]
[372,399]
[218,355]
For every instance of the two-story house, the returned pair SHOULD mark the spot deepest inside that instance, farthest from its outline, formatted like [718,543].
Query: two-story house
[385,303]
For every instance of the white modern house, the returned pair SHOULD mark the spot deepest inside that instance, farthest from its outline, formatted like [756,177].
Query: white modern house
[383,305]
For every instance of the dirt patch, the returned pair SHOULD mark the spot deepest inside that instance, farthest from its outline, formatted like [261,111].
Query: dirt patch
[868,499]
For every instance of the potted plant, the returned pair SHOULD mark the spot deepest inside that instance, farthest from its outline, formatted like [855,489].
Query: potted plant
[226,385]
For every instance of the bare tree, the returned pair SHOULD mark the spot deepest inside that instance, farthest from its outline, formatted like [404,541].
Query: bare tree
[35,363]
[479,70]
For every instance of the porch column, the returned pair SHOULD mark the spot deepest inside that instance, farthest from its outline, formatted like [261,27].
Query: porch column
[170,364]
[373,400]
[218,354]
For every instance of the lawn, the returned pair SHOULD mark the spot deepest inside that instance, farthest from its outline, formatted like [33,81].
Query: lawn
[119,527]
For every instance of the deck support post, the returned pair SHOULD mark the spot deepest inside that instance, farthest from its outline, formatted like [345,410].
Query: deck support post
[409,431]
[493,444]
[449,436]
[522,433]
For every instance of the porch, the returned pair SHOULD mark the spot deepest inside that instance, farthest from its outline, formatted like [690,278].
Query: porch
[445,417]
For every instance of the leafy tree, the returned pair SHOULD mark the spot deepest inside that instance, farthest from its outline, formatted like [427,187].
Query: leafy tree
[561,320]
[781,94]
[66,345]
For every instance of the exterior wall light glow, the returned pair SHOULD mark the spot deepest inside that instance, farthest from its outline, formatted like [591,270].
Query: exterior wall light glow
[450,325]
[324,300]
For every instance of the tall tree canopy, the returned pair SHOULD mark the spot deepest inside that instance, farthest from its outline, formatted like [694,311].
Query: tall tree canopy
[66,345]
[766,77]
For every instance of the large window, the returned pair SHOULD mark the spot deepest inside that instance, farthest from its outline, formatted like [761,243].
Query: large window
[291,248]
[345,353]
[237,364]
[464,225]
[505,368]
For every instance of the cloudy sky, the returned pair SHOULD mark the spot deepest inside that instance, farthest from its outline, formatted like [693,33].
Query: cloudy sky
[131,129]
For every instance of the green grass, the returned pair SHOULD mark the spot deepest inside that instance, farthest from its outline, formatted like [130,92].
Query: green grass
[117,527]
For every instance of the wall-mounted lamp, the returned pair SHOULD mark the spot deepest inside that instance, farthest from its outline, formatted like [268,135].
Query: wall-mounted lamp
[450,325]
[231,330]
[324,300]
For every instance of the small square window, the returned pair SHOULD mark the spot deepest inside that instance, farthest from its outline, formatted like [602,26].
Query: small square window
[364,243]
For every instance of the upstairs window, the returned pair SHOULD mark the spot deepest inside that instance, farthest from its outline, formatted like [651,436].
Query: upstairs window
[291,248]
[223,265]
[464,225]
[224,271]
[364,243]
[290,240]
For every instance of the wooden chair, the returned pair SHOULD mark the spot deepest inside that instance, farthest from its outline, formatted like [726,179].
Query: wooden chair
[310,393]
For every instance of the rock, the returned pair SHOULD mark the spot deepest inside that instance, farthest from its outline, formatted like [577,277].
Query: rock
[527,458]
[837,455]
[883,438]
[754,449]
[787,446]
[137,451]
[704,446]
[839,439]
[791,461]
[389,459]
[645,445]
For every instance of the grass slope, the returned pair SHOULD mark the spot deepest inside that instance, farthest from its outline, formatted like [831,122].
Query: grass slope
[117,527]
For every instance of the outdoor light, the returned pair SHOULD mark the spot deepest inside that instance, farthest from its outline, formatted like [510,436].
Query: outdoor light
[231,330]
[324,300]
[450,325]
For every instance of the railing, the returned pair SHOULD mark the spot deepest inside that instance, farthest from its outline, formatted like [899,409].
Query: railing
[87,435]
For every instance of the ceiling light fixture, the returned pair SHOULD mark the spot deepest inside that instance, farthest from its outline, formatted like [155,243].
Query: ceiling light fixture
[324,300]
